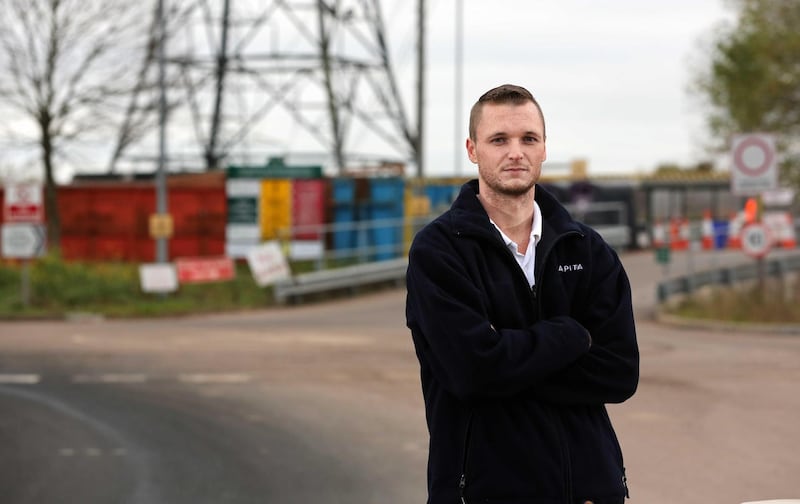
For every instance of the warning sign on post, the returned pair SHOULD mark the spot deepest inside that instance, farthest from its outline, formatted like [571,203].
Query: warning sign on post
[754,165]
[23,203]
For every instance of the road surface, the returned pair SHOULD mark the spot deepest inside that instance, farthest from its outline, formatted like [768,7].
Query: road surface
[322,403]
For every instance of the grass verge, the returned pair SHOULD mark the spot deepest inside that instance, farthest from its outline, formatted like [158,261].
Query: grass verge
[58,288]
[774,301]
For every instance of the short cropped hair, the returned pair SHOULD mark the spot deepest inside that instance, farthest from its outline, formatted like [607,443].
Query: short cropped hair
[501,95]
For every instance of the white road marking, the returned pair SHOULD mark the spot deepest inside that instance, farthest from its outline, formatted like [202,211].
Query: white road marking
[92,452]
[129,378]
[214,378]
[111,378]
[20,379]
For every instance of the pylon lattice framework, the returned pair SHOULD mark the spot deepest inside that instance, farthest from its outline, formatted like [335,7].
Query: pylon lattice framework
[251,76]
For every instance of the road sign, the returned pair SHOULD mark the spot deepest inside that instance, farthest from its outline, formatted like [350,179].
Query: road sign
[23,203]
[158,277]
[268,264]
[161,226]
[23,240]
[756,239]
[754,167]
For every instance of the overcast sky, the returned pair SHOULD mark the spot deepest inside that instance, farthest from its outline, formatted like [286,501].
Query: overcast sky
[610,75]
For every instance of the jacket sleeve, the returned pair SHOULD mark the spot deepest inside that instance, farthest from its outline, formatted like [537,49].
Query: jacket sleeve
[454,338]
[609,372]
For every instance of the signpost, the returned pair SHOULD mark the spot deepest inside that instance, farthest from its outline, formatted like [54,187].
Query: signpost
[756,242]
[23,232]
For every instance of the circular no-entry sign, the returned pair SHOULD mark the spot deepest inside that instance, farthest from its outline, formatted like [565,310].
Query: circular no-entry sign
[755,167]
[756,239]
[754,155]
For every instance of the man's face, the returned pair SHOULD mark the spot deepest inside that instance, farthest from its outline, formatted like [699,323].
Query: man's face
[508,148]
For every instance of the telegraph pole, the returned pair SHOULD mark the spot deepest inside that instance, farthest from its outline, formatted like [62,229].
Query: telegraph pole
[459,88]
[161,179]
[420,143]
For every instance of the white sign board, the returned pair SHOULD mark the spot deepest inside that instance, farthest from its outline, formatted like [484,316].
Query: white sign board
[23,241]
[782,196]
[268,264]
[306,250]
[23,203]
[158,277]
[754,168]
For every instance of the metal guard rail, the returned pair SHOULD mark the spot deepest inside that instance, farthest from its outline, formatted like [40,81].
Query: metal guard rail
[725,276]
[336,279]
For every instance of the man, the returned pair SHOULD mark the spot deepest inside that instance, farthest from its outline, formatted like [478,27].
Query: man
[523,327]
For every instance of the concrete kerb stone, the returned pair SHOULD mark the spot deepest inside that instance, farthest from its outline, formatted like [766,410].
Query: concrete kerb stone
[724,325]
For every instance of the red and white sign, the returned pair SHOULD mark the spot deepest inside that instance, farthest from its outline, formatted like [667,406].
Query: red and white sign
[268,263]
[754,168]
[204,269]
[23,203]
[756,239]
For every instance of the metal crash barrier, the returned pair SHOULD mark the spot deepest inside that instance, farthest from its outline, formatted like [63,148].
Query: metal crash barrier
[725,276]
[338,279]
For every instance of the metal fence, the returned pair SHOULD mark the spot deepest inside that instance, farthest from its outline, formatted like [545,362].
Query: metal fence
[727,276]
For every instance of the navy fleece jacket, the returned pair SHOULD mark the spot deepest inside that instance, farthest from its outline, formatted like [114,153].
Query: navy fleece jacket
[515,380]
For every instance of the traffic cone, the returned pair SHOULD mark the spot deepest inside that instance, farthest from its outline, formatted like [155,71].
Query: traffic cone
[659,234]
[707,229]
[686,234]
[735,231]
[679,234]
[674,233]
[786,235]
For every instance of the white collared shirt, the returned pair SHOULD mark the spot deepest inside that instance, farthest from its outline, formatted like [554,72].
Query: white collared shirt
[526,261]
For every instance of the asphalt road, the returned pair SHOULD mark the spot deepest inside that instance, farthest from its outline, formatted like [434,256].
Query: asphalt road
[321,403]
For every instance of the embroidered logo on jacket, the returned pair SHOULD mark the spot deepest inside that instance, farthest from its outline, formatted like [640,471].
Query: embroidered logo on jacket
[563,268]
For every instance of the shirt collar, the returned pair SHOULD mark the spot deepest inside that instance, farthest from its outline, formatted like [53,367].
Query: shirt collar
[536,228]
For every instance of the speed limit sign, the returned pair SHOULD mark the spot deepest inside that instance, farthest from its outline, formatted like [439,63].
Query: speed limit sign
[756,239]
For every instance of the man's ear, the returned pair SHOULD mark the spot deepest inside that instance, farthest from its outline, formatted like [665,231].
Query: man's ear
[471,151]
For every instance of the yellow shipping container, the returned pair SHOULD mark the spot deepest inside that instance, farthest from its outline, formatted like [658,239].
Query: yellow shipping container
[275,208]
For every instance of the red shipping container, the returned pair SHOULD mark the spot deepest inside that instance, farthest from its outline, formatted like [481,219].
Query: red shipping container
[198,211]
[308,208]
[111,222]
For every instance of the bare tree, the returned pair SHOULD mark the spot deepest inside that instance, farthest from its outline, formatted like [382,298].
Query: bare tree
[141,112]
[67,66]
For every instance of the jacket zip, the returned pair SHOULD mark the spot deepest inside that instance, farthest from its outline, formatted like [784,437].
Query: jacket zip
[625,484]
[567,470]
[462,483]
[561,438]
